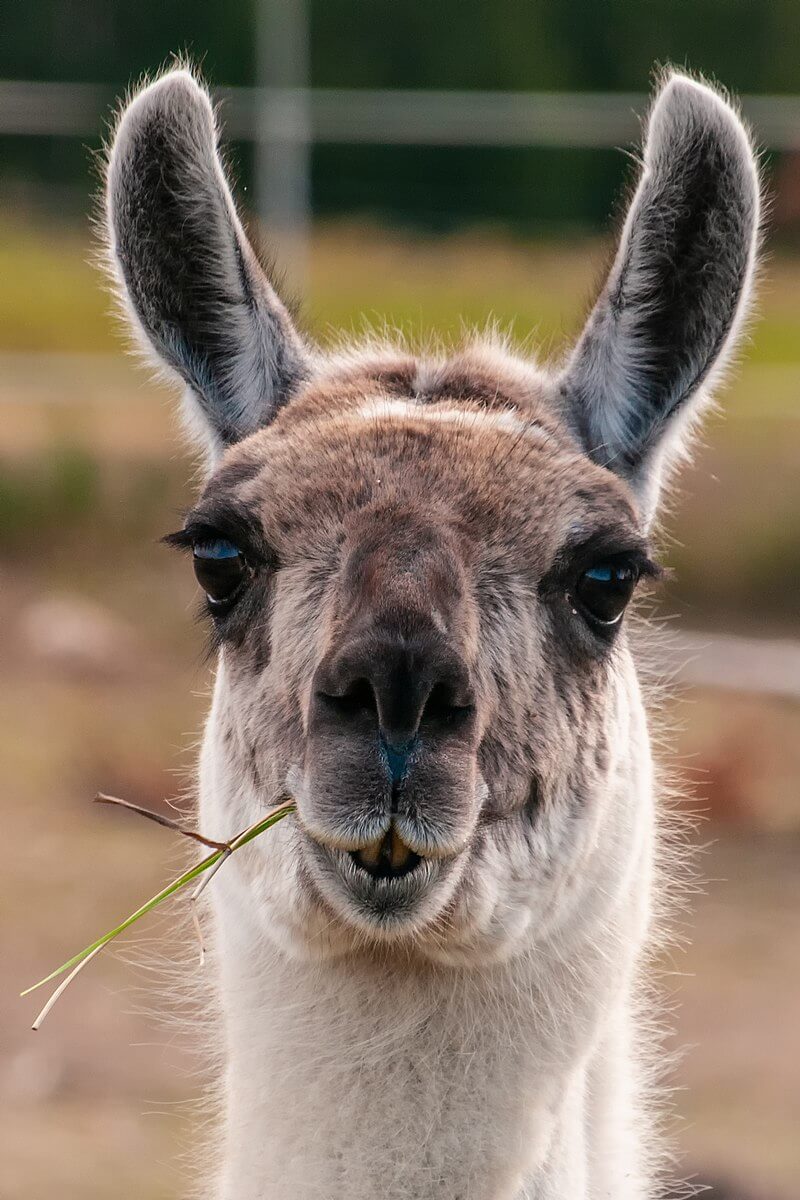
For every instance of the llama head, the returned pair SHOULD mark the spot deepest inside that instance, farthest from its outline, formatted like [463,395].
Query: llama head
[416,571]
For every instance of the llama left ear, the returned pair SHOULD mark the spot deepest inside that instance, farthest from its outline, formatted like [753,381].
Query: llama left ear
[670,310]
[194,290]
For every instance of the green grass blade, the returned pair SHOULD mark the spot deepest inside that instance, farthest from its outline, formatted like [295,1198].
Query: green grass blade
[175,886]
[164,894]
[276,815]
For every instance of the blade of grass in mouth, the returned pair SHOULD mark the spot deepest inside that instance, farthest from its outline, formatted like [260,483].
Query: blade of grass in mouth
[224,850]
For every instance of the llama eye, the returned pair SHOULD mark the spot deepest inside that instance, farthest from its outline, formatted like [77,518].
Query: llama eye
[603,591]
[220,569]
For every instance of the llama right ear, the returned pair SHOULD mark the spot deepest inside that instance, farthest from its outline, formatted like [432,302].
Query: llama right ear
[673,302]
[194,288]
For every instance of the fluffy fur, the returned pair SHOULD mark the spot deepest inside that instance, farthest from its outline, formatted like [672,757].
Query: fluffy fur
[192,285]
[669,314]
[414,530]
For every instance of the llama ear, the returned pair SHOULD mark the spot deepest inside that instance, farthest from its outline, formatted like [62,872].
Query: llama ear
[192,283]
[669,312]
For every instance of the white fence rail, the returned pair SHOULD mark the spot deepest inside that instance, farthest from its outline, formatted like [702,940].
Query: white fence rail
[285,121]
[394,117]
[721,661]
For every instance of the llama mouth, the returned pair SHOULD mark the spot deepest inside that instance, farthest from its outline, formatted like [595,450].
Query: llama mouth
[388,857]
[383,887]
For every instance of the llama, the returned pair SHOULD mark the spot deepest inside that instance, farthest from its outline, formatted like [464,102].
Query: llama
[416,571]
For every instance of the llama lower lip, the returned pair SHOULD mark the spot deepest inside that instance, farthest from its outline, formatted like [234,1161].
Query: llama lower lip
[384,887]
[378,898]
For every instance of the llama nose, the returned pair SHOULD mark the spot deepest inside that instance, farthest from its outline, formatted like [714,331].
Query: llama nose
[404,688]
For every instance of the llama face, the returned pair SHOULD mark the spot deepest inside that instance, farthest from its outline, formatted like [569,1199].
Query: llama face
[406,646]
[417,571]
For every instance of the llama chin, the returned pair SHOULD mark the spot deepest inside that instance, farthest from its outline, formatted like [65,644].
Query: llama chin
[417,573]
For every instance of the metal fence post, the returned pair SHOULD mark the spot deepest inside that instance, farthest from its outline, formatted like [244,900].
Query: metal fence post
[283,134]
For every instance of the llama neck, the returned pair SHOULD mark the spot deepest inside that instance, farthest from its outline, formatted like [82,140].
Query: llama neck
[350,1079]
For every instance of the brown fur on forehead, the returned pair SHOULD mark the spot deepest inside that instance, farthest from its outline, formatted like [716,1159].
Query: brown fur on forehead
[361,437]
[483,375]
[417,566]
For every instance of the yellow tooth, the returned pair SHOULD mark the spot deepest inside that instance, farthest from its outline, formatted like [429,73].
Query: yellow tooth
[371,853]
[399,852]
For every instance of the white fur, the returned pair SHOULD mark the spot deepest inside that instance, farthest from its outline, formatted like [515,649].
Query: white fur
[525,1083]
[507,420]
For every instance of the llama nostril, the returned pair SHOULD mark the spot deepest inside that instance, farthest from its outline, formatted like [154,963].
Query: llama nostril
[356,699]
[397,686]
[447,704]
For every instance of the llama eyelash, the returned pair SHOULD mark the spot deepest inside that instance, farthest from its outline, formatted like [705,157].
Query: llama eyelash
[224,525]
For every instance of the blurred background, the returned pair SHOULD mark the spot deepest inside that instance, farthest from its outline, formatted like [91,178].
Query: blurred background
[424,164]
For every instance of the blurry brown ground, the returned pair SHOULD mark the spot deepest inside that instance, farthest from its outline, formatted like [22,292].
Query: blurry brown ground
[103,685]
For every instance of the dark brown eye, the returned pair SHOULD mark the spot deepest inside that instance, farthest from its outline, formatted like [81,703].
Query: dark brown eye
[221,570]
[603,591]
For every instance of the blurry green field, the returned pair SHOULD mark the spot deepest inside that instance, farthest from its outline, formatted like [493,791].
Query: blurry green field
[53,298]
[69,412]
[93,470]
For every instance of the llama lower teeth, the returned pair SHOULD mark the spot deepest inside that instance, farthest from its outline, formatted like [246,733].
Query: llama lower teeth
[370,856]
[399,853]
[387,857]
